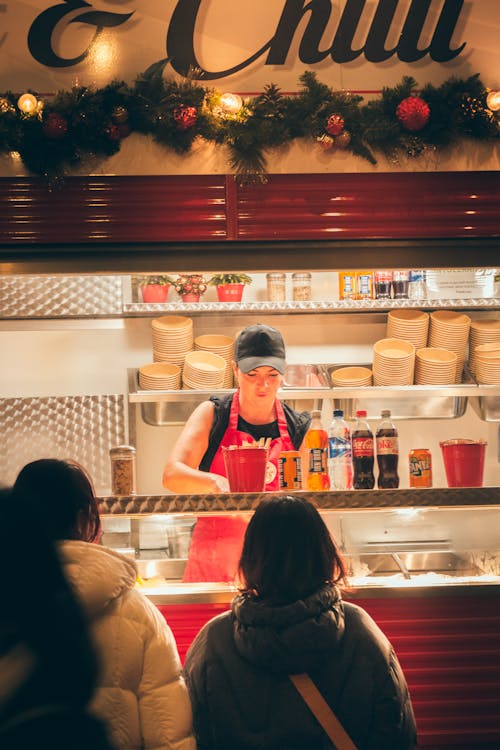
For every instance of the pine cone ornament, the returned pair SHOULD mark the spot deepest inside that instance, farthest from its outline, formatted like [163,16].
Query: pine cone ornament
[119,115]
[185,117]
[413,113]
[334,125]
[55,126]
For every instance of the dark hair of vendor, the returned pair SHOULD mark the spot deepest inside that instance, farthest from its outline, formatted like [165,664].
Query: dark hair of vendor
[288,552]
[62,493]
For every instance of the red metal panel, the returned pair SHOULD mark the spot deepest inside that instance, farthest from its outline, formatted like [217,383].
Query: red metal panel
[350,206]
[287,207]
[113,209]
[449,648]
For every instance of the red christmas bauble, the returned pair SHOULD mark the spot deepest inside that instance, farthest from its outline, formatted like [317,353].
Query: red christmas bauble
[334,124]
[413,113]
[343,140]
[325,142]
[124,129]
[55,126]
[113,132]
[185,117]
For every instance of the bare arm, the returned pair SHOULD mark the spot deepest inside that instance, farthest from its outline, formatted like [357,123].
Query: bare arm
[181,473]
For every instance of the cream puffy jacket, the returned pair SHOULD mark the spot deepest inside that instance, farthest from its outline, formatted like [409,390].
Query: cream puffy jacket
[141,694]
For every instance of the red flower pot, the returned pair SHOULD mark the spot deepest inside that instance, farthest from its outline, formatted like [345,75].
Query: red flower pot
[190,297]
[155,292]
[230,292]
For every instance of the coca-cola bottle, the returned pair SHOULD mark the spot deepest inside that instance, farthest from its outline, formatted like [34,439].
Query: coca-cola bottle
[362,453]
[386,439]
[316,440]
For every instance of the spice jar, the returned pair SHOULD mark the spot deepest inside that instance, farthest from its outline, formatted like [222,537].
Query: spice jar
[123,470]
[301,286]
[276,287]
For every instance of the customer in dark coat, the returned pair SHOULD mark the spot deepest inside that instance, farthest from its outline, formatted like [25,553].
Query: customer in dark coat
[289,619]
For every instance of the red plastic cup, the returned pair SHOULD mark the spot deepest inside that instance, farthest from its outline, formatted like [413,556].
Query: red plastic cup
[463,462]
[245,468]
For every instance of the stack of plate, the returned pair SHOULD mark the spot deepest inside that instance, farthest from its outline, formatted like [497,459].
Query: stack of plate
[435,366]
[487,363]
[224,347]
[450,330]
[172,338]
[410,325]
[482,332]
[351,377]
[203,370]
[393,362]
[160,376]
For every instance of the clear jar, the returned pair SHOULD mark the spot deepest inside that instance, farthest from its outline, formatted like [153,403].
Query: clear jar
[301,286]
[276,287]
[123,470]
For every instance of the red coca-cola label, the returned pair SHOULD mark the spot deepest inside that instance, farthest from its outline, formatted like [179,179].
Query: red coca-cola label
[362,446]
[387,446]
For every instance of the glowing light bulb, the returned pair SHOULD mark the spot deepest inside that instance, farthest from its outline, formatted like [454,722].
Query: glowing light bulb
[493,101]
[27,103]
[231,103]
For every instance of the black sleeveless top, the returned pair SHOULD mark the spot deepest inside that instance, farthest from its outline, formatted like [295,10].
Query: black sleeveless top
[297,423]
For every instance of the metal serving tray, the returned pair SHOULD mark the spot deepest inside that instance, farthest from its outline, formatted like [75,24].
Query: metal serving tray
[305,376]
[405,402]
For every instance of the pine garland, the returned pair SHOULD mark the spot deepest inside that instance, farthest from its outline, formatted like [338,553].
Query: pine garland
[82,124]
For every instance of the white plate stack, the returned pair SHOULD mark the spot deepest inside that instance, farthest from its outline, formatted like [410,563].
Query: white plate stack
[351,377]
[487,363]
[160,376]
[393,362]
[172,338]
[450,330]
[221,345]
[203,370]
[482,332]
[409,325]
[435,366]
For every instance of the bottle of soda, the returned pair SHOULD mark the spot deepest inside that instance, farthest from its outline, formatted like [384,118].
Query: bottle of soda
[339,453]
[316,440]
[362,453]
[386,439]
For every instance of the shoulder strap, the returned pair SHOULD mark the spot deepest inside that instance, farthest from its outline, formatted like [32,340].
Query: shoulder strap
[322,711]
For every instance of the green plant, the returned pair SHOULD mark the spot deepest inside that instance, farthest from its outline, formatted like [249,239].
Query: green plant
[219,279]
[157,280]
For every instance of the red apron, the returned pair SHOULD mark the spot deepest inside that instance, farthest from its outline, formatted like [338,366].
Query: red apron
[217,541]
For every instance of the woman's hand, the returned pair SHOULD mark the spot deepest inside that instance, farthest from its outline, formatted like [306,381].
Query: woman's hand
[220,483]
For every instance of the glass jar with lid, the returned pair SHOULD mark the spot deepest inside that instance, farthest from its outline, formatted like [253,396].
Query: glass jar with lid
[123,470]
[276,287]
[301,286]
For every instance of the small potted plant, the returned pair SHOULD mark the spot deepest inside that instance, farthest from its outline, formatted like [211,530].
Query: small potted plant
[155,288]
[190,287]
[230,285]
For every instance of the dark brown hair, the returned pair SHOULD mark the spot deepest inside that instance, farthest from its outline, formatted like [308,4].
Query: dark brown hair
[63,494]
[288,552]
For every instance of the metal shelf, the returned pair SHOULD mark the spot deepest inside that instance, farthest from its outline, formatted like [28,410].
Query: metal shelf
[344,305]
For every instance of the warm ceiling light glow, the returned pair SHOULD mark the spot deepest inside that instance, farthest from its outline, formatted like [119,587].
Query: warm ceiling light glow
[493,101]
[231,103]
[27,103]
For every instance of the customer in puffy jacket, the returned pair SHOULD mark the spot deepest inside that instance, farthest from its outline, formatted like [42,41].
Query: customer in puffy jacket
[141,693]
[290,619]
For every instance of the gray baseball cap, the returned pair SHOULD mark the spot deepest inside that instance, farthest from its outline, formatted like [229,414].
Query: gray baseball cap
[260,345]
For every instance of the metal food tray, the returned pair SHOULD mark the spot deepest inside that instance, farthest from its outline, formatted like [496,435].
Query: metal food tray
[405,402]
[305,376]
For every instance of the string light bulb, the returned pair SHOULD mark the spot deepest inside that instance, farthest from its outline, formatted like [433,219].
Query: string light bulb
[493,101]
[27,103]
[231,103]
